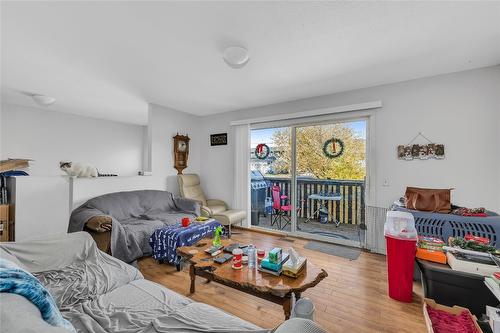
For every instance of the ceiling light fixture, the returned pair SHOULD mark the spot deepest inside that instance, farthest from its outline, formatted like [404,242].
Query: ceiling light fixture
[236,56]
[43,100]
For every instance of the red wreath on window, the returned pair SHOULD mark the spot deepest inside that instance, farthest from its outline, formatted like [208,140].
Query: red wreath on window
[262,151]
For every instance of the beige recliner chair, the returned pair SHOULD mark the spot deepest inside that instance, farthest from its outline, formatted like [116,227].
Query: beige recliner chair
[190,188]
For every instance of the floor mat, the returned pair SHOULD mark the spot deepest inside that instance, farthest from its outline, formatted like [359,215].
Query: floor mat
[350,253]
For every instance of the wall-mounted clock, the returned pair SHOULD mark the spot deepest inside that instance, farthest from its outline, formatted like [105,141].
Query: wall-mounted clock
[181,152]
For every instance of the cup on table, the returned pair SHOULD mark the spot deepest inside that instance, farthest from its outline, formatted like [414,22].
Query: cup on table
[261,254]
[237,258]
[185,222]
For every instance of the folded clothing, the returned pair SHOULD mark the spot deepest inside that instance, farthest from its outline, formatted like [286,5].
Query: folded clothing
[445,322]
[463,211]
[16,280]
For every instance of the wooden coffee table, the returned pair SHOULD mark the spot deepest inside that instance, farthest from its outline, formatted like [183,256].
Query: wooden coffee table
[277,289]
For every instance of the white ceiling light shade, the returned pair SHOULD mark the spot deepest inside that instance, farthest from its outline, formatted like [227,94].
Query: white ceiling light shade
[43,100]
[236,56]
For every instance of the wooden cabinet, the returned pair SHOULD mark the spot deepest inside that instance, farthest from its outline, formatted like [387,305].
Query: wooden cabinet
[6,227]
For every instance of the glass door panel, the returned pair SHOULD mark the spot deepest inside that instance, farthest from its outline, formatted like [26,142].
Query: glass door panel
[330,173]
[270,178]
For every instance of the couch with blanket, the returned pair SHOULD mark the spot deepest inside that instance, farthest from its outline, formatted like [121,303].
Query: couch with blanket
[98,293]
[122,222]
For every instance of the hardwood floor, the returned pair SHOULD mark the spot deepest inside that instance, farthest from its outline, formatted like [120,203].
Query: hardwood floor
[353,298]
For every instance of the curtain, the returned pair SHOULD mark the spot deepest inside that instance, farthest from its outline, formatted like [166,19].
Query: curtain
[241,198]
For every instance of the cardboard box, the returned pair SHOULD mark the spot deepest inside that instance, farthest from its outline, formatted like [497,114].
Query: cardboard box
[494,318]
[453,310]
[4,223]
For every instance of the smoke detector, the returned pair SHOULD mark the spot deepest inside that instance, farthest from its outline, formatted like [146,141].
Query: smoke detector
[236,56]
[43,100]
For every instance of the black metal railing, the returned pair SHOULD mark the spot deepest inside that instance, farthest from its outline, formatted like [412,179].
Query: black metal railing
[350,209]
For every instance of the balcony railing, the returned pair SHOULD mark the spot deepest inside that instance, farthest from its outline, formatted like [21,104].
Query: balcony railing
[350,209]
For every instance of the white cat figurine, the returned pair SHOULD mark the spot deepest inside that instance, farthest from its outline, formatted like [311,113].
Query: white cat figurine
[78,170]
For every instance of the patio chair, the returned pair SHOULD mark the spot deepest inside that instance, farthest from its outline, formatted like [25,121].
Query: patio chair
[280,211]
[190,187]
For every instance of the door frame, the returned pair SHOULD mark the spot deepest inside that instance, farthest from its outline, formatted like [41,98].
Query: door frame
[370,179]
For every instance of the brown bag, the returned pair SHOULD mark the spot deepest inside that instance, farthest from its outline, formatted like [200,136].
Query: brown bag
[428,200]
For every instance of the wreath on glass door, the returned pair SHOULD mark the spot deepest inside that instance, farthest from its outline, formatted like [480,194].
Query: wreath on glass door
[262,151]
[333,148]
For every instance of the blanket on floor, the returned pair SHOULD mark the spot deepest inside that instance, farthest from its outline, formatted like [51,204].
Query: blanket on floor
[15,280]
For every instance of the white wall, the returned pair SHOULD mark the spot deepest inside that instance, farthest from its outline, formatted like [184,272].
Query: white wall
[461,110]
[83,189]
[164,124]
[49,137]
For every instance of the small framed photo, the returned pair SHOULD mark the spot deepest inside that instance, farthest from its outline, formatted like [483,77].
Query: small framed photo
[219,139]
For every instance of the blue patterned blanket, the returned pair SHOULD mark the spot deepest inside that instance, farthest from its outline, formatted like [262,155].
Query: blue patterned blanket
[165,241]
[15,280]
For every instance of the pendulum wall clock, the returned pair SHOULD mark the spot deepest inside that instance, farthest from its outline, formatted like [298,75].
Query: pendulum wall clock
[181,152]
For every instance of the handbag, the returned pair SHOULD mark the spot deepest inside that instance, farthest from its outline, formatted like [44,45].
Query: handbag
[428,200]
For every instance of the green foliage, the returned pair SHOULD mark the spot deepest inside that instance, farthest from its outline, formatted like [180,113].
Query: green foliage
[310,157]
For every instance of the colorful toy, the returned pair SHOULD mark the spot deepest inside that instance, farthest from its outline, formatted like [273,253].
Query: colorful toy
[217,234]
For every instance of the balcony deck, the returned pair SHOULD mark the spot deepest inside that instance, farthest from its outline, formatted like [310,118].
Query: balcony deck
[344,231]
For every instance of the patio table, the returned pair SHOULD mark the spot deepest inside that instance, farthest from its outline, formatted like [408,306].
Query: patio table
[328,197]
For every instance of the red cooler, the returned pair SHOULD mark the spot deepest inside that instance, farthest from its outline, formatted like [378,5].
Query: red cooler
[401,241]
[400,258]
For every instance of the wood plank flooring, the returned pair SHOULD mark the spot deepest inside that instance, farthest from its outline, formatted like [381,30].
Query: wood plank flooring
[353,298]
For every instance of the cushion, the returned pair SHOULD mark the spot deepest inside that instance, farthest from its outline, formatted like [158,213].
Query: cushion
[216,209]
[230,216]
[31,319]
[190,188]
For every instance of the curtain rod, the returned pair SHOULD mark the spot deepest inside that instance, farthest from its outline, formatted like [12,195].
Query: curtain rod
[310,113]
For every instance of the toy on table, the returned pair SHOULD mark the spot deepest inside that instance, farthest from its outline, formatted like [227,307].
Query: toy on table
[218,233]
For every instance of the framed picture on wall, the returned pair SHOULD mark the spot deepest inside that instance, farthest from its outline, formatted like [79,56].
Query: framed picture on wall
[219,139]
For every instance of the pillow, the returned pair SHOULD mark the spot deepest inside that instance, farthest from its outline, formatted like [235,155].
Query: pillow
[9,257]
[15,280]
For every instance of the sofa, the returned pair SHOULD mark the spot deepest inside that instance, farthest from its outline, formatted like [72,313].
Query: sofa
[122,222]
[98,293]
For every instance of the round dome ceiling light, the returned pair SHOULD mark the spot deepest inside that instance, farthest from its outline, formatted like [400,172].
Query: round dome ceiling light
[236,56]
[43,100]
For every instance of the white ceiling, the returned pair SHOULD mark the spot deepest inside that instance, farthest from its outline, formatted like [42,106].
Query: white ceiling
[108,59]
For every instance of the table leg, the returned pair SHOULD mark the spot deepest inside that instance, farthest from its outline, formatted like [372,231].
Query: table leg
[312,216]
[192,275]
[287,306]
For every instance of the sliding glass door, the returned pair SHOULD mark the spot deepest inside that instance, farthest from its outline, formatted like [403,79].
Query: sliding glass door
[309,180]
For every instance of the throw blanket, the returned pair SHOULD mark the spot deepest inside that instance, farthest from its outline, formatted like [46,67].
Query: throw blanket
[135,216]
[165,241]
[18,281]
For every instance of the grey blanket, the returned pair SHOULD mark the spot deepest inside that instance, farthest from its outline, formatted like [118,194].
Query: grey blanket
[135,216]
[98,293]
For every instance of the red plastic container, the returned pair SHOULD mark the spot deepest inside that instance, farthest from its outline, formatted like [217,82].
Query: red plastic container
[400,258]
[185,222]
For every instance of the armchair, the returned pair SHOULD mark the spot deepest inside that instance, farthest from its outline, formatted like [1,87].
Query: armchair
[190,188]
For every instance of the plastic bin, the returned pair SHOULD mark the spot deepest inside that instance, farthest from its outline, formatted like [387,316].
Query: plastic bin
[304,308]
[401,241]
